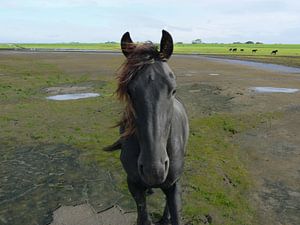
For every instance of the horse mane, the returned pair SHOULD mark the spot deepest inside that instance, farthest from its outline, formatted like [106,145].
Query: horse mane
[140,56]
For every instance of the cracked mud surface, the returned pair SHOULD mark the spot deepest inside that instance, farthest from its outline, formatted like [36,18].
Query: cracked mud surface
[37,180]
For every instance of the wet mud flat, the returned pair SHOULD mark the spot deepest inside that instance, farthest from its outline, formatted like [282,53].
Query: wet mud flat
[272,153]
[36,180]
[52,164]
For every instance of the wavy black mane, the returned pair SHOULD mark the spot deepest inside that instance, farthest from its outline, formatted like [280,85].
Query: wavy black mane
[141,55]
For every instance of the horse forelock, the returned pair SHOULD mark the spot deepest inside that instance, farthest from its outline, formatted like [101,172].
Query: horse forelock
[141,55]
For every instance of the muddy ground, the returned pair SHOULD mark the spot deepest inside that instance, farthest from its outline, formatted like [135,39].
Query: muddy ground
[268,149]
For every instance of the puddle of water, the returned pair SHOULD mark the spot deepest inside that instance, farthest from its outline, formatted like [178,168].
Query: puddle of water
[257,65]
[73,96]
[260,65]
[274,90]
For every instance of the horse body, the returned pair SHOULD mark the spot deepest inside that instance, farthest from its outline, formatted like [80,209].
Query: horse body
[154,129]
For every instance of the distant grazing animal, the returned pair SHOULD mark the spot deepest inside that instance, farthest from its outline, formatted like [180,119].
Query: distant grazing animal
[254,50]
[230,49]
[154,128]
[234,49]
[274,52]
[242,50]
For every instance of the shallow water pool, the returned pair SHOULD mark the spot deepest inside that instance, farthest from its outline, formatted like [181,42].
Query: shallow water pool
[274,90]
[72,96]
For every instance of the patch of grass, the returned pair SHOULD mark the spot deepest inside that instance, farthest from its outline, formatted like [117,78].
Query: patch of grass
[5,46]
[263,49]
[84,46]
[27,118]
[215,181]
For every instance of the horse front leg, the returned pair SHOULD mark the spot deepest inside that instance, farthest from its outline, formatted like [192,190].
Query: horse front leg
[139,194]
[173,196]
[165,220]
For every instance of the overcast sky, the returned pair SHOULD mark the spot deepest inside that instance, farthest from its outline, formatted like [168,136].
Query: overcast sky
[225,21]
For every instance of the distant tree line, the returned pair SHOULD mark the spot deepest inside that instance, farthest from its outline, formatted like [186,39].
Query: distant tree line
[247,42]
[199,41]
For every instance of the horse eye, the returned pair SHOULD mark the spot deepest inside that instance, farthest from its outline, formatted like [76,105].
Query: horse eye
[174,92]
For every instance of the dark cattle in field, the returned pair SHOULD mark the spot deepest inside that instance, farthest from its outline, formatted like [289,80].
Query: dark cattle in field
[254,50]
[230,49]
[242,50]
[274,52]
[234,49]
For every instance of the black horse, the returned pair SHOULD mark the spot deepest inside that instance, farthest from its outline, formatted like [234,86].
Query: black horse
[154,129]
[274,52]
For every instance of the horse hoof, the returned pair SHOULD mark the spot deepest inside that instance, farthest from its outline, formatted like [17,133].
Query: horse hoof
[148,222]
[164,222]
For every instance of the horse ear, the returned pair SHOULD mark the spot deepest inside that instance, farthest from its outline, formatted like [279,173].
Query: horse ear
[126,44]
[166,45]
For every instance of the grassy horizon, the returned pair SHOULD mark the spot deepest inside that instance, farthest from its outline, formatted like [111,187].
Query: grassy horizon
[263,49]
[288,54]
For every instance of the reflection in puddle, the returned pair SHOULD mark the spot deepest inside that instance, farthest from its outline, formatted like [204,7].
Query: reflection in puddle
[274,90]
[73,96]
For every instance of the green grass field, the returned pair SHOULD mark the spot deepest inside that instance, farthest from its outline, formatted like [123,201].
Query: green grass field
[3,45]
[263,49]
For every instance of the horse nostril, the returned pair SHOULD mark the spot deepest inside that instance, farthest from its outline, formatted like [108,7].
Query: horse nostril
[141,170]
[166,165]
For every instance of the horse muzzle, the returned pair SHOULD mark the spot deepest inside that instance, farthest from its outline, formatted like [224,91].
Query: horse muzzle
[154,174]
